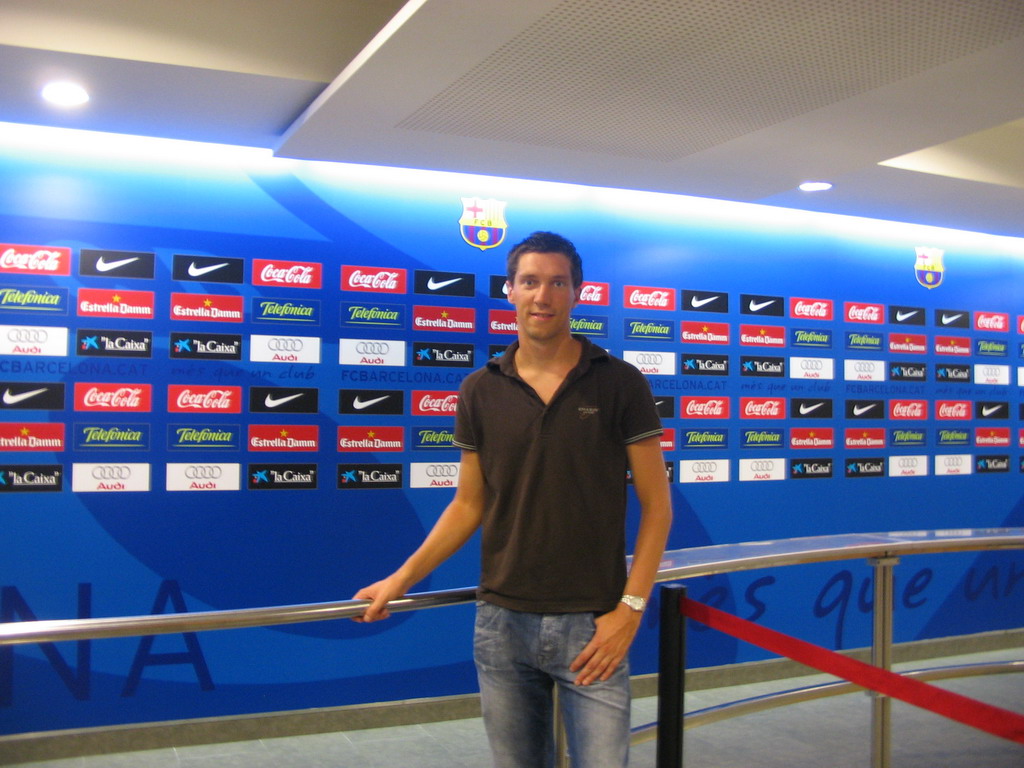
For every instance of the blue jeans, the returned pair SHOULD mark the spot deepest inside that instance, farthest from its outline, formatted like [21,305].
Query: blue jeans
[520,657]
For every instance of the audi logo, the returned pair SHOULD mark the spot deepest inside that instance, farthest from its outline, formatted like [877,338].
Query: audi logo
[373,348]
[649,358]
[907,462]
[953,461]
[812,365]
[990,370]
[111,472]
[442,470]
[285,345]
[864,366]
[704,466]
[763,465]
[203,472]
[27,335]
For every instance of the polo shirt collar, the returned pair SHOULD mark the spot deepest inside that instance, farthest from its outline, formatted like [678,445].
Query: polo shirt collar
[589,353]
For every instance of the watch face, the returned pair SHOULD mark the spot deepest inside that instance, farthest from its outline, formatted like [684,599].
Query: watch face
[634,602]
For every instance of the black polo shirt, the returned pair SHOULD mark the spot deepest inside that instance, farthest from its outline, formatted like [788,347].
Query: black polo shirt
[553,533]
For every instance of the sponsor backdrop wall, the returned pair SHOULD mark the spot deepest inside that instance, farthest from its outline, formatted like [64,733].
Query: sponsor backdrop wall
[228,381]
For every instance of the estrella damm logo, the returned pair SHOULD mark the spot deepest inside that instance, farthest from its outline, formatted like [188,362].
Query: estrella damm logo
[482,223]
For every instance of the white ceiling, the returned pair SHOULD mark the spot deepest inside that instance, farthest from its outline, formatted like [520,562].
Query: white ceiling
[914,109]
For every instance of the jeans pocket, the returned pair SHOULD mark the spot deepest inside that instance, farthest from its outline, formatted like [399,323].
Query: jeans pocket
[488,635]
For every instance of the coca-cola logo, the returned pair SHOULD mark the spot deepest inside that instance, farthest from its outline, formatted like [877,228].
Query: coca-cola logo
[762,408]
[190,399]
[373,279]
[953,409]
[122,397]
[649,298]
[596,294]
[431,403]
[991,321]
[113,397]
[908,409]
[705,408]
[864,313]
[810,309]
[289,274]
[37,259]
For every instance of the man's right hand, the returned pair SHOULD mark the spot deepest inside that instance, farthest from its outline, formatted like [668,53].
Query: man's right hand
[380,594]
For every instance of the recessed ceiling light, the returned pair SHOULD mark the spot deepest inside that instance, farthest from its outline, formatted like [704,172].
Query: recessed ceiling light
[63,93]
[815,186]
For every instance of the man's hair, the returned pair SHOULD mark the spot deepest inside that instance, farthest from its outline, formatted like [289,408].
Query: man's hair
[545,242]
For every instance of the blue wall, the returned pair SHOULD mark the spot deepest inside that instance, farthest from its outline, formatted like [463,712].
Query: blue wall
[99,551]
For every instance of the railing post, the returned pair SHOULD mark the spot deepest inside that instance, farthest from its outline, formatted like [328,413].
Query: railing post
[671,677]
[881,656]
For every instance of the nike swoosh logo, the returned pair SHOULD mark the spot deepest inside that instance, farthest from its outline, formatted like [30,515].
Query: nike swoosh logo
[947,319]
[102,265]
[273,402]
[990,410]
[698,303]
[805,409]
[901,316]
[436,285]
[860,410]
[758,306]
[194,271]
[361,404]
[10,399]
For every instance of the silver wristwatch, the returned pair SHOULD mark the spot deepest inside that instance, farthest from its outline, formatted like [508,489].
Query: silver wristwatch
[635,603]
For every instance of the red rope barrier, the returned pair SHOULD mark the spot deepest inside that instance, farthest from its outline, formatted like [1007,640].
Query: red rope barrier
[994,720]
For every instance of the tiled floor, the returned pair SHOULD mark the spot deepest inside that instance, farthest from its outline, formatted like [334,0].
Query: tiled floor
[831,732]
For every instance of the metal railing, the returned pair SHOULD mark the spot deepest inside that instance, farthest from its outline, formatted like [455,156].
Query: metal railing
[883,550]
[676,565]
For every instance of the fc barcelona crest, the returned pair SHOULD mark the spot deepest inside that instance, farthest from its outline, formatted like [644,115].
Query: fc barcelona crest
[928,268]
[483,222]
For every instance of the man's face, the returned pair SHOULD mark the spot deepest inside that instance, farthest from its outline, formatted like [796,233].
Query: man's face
[543,295]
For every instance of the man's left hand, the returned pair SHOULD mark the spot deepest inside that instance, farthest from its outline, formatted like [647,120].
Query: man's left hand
[608,647]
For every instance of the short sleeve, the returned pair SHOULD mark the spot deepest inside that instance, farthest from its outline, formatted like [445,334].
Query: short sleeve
[465,427]
[640,418]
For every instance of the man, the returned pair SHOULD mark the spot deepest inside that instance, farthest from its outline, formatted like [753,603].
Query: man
[547,432]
